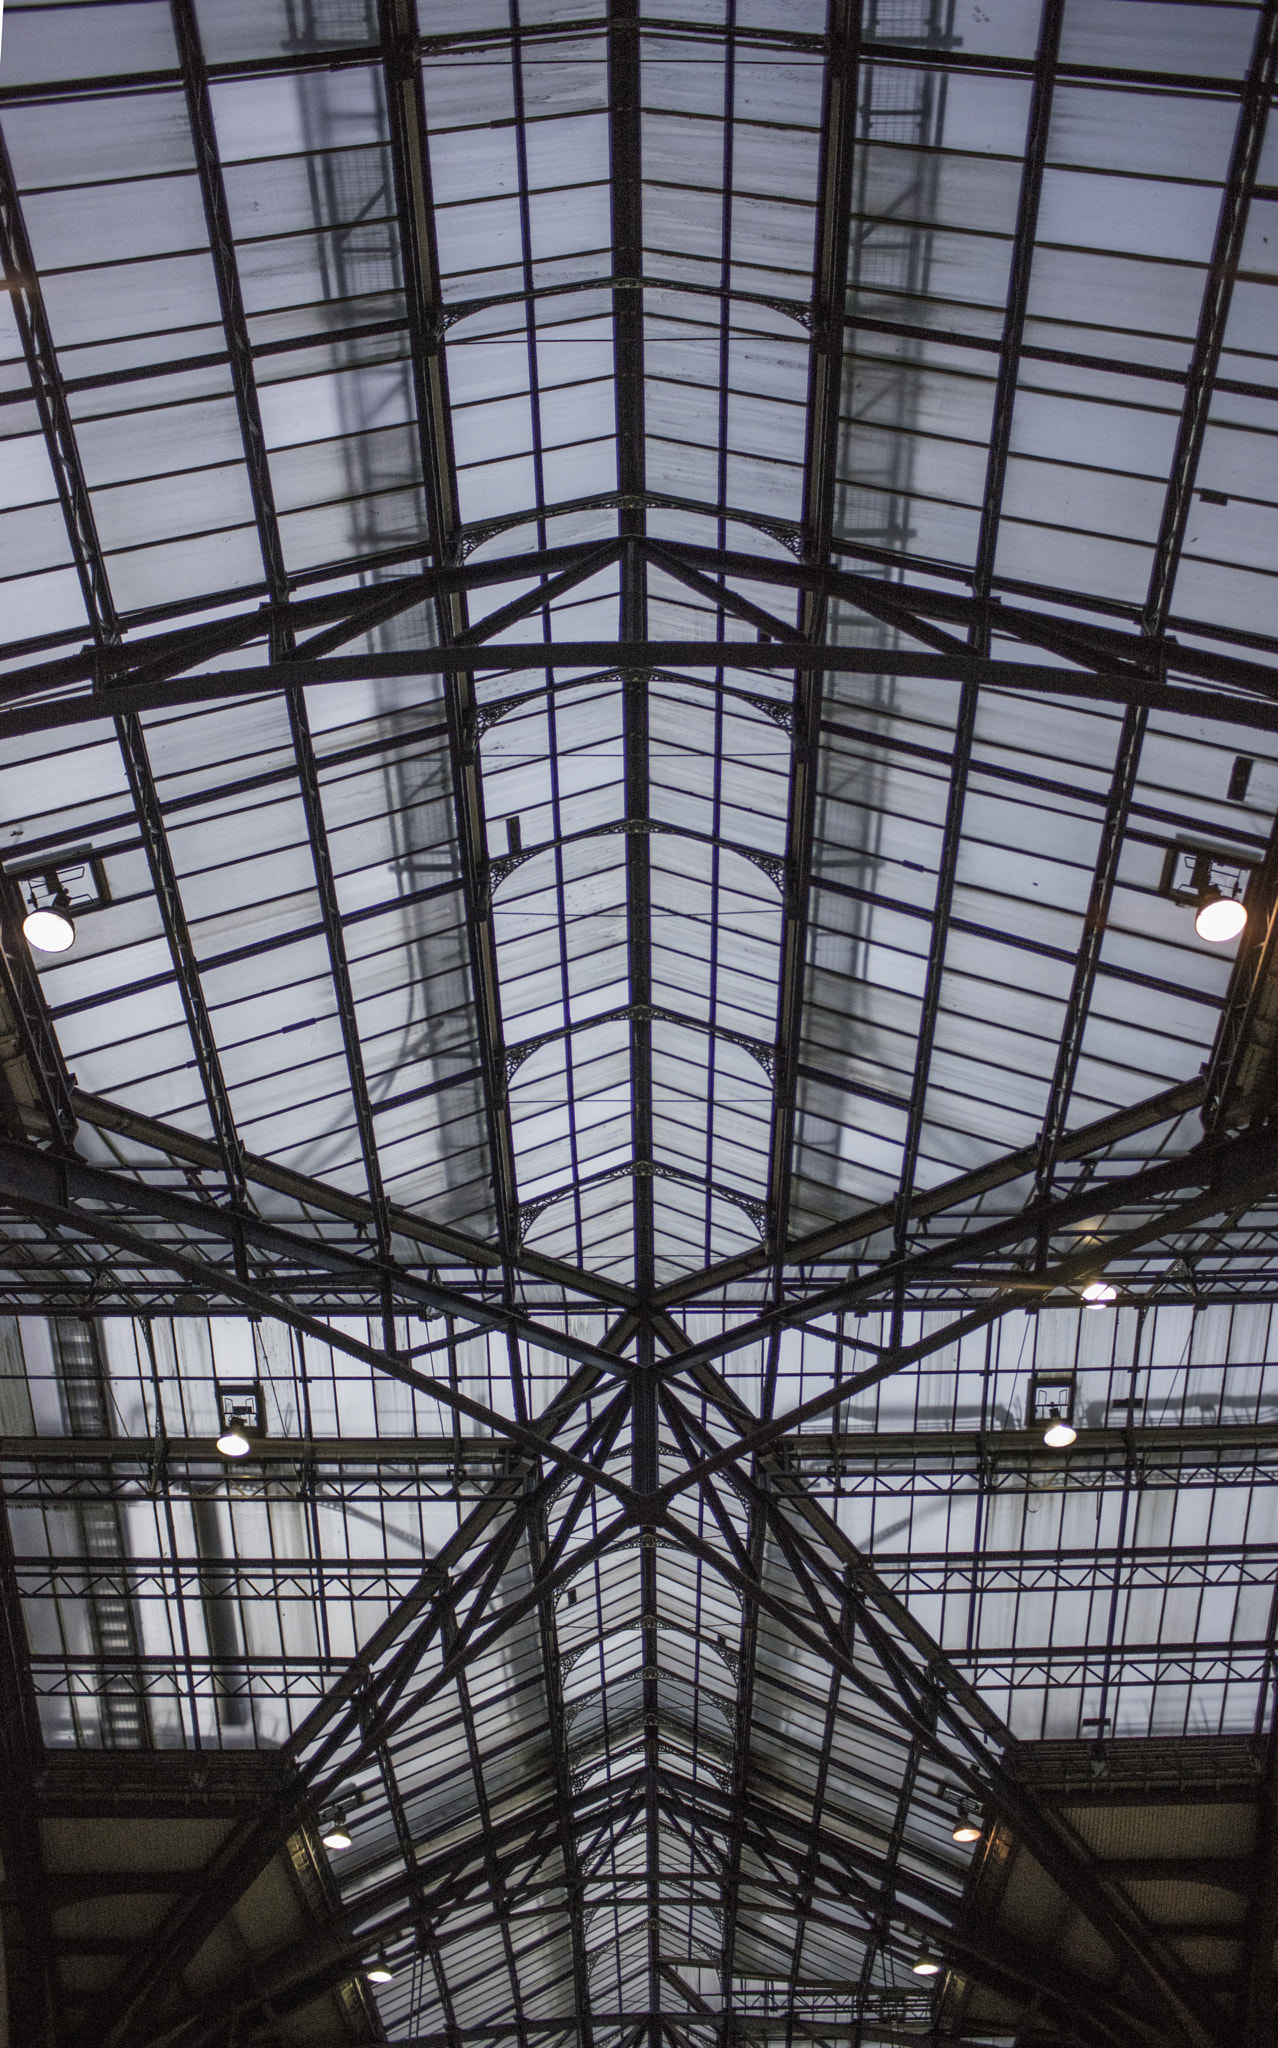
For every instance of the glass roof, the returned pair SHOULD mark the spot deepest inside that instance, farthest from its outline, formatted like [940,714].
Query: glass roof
[634,632]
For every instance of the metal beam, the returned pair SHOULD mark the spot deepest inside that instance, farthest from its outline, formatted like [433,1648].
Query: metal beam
[1234,1174]
[1231,229]
[499,1899]
[458,1246]
[326,621]
[48,1108]
[851,1876]
[553,1683]
[626,198]
[819,1245]
[626,194]
[21,279]
[1094,643]
[86,552]
[824,401]
[1110,685]
[295,1975]
[351,1719]
[1025,235]
[954,1725]
[1085,636]
[1095,922]
[259,1303]
[894,1462]
[186,971]
[410,154]
[1023,242]
[82,1197]
[449,1882]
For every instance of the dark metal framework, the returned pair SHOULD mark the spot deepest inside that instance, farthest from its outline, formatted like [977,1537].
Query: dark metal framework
[634,628]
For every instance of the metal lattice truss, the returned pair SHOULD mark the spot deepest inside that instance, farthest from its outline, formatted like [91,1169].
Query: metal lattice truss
[631,634]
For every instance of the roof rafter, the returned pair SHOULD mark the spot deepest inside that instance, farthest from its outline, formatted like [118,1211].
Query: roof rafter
[1106,685]
[410,152]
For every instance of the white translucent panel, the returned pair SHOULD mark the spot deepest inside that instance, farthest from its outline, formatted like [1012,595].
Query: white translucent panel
[33,538]
[490,231]
[285,196]
[283,115]
[569,221]
[47,602]
[118,222]
[97,303]
[197,501]
[118,37]
[228,560]
[107,138]
[1136,217]
[1209,40]
[245,28]
[1154,135]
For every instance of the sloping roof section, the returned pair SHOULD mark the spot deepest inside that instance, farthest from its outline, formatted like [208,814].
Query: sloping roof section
[633,632]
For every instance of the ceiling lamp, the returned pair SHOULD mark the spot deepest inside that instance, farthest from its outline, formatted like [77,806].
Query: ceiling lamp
[1059,1434]
[51,929]
[1219,917]
[1099,1293]
[334,1833]
[242,1413]
[379,1971]
[966,1828]
[925,1964]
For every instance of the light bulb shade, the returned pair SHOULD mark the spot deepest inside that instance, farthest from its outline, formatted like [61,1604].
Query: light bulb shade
[1059,1434]
[235,1441]
[1098,1293]
[925,1964]
[336,1835]
[379,1972]
[51,930]
[966,1829]
[1220,918]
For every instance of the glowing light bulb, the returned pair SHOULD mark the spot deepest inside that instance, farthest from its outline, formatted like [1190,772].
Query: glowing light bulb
[1059,1434]
[1220,918]
[52,929]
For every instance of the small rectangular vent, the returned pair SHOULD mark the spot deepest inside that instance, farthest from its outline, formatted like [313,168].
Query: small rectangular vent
[1189,869]
[1239,777]
[1048,1390]
[77,873]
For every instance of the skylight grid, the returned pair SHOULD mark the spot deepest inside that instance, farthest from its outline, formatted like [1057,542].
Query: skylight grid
[652,975]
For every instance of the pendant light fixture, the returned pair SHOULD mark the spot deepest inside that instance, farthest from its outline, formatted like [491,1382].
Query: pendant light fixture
[1059,1434]
[967,1828]
[334,1833]
[1219,918]
[51,928]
